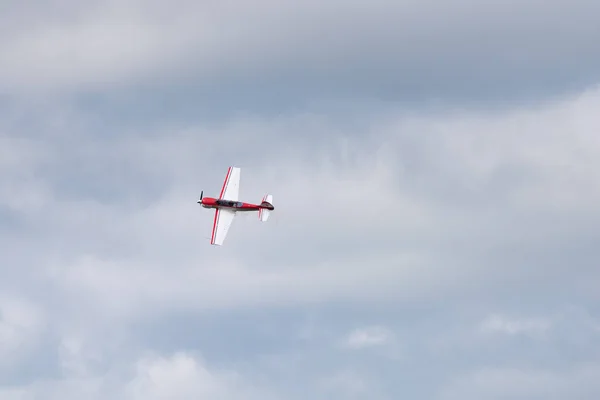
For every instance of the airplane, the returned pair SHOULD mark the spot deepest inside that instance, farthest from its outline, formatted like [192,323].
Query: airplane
[228,205]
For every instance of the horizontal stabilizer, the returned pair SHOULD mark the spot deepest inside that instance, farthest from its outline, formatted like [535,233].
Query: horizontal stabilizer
[266,208]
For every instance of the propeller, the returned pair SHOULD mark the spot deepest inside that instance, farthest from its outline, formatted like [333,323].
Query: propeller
[200,201]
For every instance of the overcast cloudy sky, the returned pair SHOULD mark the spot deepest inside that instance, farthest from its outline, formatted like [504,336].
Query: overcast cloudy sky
[435,171]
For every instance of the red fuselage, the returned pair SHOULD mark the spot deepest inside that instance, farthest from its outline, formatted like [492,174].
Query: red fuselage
[209,202]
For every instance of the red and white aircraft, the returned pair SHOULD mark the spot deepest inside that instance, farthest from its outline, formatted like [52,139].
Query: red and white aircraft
[227,205]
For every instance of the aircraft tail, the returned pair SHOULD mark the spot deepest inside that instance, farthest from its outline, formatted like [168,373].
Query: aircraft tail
[266,206]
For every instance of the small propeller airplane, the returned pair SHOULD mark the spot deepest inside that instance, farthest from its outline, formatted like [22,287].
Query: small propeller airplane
[227,205]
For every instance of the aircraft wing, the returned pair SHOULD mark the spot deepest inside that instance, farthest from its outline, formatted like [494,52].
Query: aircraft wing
[231,186]
[223,220]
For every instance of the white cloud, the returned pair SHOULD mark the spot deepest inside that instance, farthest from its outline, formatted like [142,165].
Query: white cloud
[179,376]
[21,327]
[368,337]
[511,326]
[395,222]
[430,209]
[347,383]
[184,377]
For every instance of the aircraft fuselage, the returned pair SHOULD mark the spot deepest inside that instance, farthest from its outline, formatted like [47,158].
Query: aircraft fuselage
[209,202]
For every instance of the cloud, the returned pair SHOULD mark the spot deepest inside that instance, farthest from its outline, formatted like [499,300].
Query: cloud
[499,383]
[347,383]
[21,325]
[498,323]
[428,224]
[178,376]
[184,377]
[379,49]
[435,183]
[367,337]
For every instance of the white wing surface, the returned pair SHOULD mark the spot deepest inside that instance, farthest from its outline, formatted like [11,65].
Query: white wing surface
[223,220]
[231,186]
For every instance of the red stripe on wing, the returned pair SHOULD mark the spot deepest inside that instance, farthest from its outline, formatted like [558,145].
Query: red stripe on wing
[225,183]
[214,229]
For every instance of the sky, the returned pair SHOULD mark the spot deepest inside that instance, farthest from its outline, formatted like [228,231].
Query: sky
[435,172]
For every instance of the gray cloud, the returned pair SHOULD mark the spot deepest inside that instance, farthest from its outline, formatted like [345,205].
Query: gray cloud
[479,217]
[459,190]
[271,51]
[518,384]
[433,252]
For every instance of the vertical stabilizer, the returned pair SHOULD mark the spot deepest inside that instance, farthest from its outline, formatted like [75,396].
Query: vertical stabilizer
[266,206]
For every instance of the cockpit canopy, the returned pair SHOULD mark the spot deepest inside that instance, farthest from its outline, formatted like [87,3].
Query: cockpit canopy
[229,203]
